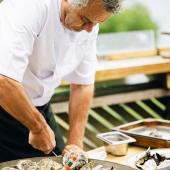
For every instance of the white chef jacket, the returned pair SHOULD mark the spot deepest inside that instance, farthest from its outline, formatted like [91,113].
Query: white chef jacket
[36,50]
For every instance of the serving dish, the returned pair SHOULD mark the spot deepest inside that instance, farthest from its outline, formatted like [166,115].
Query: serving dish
[116,143]
[106,164]
[152,133]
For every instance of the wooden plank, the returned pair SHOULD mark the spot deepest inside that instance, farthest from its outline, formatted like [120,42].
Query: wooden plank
[89,126]
[101,119]
[163,49]
[108,70]
[129,97]
[113,113]
[117,99]
[131,111]
[150,111]
[59,107]
[65,125]
[130,54]
[123,159]
[158,104]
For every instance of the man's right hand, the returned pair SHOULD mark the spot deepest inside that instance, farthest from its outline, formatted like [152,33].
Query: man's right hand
[43,140]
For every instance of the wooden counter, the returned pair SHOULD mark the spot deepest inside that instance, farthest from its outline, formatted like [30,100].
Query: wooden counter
[123,159]
[109,70]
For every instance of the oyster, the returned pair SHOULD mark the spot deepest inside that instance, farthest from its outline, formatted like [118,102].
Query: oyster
[88,166]
[152,161]
[91,166]
[27,165]
[155,133]
[48,164]
[142,158]
[149,165]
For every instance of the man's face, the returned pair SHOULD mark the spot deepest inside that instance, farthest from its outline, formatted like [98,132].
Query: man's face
[78,19]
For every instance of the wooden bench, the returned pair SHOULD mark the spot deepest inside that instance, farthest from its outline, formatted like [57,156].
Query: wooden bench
[109,116]
[110,70]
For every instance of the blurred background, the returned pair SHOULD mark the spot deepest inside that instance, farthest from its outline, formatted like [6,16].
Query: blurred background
[132,79]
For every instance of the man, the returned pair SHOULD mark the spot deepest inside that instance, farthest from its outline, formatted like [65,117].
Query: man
[41,43]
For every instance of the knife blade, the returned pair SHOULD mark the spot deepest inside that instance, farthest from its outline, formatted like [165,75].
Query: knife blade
[54,154]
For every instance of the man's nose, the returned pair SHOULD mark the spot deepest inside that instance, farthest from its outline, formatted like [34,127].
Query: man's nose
[88,27]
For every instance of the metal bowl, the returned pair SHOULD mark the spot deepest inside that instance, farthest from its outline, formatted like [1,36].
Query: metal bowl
[116,143]
[117,150]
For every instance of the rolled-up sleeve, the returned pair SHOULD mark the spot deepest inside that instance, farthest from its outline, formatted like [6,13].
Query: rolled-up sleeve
[85,71]
[20,24]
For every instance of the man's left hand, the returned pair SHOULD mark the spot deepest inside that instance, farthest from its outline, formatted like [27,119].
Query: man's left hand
[72,148]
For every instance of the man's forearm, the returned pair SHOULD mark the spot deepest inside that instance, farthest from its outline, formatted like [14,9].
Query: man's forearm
[80,100]
[15,101]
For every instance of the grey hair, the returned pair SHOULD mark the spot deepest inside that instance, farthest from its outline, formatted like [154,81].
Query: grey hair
[110,5]
[79,3]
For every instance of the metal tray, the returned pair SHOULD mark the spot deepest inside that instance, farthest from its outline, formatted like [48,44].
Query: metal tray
[148,132]
[106,164]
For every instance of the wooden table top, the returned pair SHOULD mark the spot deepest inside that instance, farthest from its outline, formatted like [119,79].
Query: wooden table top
[99,152]
[116,69]
[123,159]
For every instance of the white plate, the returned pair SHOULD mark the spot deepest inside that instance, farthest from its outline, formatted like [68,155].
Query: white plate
[132,159]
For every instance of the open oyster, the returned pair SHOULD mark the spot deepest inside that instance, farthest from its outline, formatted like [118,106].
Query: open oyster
[155,133]
[152,161]
[48,164]
[27,165]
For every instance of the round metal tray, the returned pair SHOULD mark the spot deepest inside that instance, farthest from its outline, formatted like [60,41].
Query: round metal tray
[106,164]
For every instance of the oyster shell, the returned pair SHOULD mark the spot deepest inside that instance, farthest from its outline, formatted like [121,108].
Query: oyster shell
[27,165]
[155,133]
[149,165]
[48,164]
[152,160]
[143,158]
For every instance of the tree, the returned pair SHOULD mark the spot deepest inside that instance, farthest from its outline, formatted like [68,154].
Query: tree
[136,17]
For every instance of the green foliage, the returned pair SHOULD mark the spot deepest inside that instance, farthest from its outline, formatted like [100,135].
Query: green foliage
[134,18]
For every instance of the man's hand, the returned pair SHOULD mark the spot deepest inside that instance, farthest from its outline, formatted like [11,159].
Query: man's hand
[72,148]
[43,140]
[21,108]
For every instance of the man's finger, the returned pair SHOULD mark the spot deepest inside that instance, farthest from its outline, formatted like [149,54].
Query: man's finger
[66,150]
[49,149]
[48,152]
